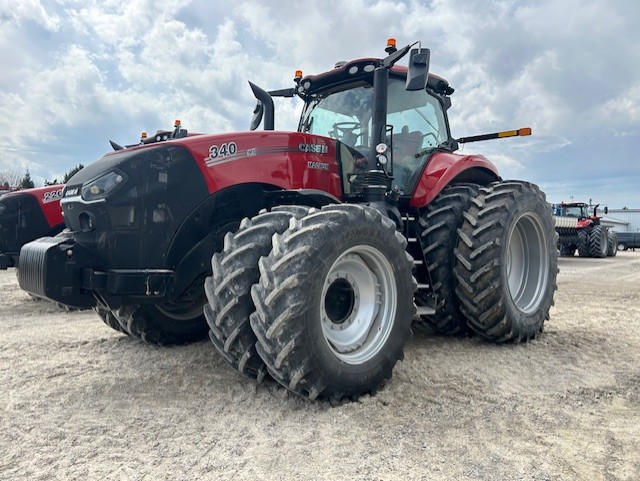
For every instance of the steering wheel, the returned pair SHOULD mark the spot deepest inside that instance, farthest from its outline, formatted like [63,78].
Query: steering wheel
[346,132]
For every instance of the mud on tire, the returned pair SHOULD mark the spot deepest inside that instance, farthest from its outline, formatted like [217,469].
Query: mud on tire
[228,290]
[334,303]
[507,262]
[439,225]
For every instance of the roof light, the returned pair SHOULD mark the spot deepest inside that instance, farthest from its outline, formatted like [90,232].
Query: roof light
[177,124]
[298,75]
[391,46]
[143,135]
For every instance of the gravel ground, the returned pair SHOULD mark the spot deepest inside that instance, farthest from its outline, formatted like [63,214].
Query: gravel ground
[81,401]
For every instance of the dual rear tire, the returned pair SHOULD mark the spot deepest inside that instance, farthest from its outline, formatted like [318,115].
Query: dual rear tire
[598,242]
[506,262]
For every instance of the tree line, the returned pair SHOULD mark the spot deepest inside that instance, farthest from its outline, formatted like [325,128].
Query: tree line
[11,179]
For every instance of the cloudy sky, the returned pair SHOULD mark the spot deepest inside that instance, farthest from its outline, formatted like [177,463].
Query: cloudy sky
[76,73]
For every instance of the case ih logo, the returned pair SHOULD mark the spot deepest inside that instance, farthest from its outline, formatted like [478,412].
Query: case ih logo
[51,196]
[313,148]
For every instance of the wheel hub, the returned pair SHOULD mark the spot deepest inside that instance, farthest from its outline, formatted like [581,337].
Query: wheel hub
[358,305]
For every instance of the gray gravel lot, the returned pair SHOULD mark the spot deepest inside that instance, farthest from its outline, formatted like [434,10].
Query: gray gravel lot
[81,401]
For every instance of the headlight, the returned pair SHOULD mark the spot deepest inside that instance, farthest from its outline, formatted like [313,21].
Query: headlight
[101,187]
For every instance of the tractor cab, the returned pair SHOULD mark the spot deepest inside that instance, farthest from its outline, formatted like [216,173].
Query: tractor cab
[578,210]
[416,124]
[585,213]
[386,118]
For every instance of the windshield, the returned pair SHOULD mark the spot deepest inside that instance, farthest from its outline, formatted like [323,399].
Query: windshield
[574,211]
[417,120]
[343,115]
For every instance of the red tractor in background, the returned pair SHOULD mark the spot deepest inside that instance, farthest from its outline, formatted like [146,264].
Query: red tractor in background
[26,215]
[579,230]
[306,255]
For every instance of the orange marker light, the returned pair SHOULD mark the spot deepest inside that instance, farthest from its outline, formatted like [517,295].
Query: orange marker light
[391,42]
[524,131]
[297,75]
[178,123]
[143,135]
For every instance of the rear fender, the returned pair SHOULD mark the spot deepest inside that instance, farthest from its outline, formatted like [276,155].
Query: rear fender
[444,168]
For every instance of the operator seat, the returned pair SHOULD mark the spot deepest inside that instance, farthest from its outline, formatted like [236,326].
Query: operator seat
[405,145]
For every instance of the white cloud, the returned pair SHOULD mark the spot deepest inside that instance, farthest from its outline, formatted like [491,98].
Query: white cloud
[622,111]
[28,10]
[79,71]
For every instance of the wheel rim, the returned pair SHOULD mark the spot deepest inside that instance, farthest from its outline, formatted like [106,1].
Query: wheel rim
[527,263]
[358,304]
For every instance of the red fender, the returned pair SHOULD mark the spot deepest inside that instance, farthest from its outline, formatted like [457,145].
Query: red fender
[443,167]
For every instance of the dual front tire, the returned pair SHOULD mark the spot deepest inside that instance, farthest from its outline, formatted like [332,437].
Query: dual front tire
[334,303]
[332,300]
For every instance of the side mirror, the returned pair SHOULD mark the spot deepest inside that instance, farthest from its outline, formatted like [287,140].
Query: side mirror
[418,72]
[257,116]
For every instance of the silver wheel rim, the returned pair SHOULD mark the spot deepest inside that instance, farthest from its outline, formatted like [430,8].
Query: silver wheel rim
[358,304]
[527,263]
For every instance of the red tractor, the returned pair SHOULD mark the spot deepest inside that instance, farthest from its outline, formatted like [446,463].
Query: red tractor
[26,215]
[310,251]
[580,230]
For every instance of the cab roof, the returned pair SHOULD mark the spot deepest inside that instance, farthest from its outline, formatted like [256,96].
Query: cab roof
[362,69]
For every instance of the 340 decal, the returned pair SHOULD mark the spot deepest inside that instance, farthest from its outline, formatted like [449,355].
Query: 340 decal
[222,150]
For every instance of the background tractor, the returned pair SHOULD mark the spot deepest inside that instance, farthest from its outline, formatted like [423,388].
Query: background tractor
[579,230]
[26,215]
[305,255]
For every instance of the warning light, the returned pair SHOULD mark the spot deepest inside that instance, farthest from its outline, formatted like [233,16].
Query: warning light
[524,131]
[143,135]
[177,124]
[391,46]
[298,75]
